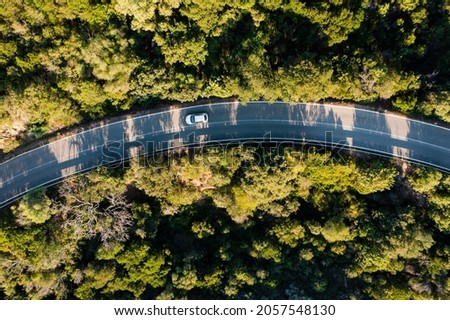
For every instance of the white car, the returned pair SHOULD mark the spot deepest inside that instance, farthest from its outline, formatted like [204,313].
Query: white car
[197,118]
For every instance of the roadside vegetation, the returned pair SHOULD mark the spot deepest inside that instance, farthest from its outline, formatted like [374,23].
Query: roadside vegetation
[240,222]
[63,62]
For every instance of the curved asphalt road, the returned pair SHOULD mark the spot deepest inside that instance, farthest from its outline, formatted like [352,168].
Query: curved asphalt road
[330,126]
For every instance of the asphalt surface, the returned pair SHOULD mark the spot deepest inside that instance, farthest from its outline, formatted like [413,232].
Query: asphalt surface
[326,126]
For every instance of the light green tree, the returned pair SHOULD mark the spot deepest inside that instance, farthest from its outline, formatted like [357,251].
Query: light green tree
[35,208]
[181,47]
[336,230]
[143,13]
[202,229]
[266,250]
[374,178]
[288,232]
[437,103]
[93,279]
[143,268]
[185,278]
[425,180]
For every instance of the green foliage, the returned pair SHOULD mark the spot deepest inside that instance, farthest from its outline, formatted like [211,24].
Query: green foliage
[35,207]
[266,250]
[288,232]
[142,13]
[95,58]
[107,66]
[141,267]
[336,19]
[41,106]
[331,177]
[425,180]
[406,103]
[94,278]
[185,278]
[403,240]
[304,81]
[101,183]
[262,185]
[387,83]
[250,223]
[336,230]
[201,11]
[383,290]
[440,200]
[202,229]
[163,182]
[31,261]
[374,178]
[181,47]
[437,104]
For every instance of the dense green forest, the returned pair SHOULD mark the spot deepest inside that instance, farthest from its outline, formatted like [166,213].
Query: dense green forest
[233,223]
[67,61]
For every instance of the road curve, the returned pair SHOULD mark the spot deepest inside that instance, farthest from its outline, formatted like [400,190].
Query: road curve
[331,126]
